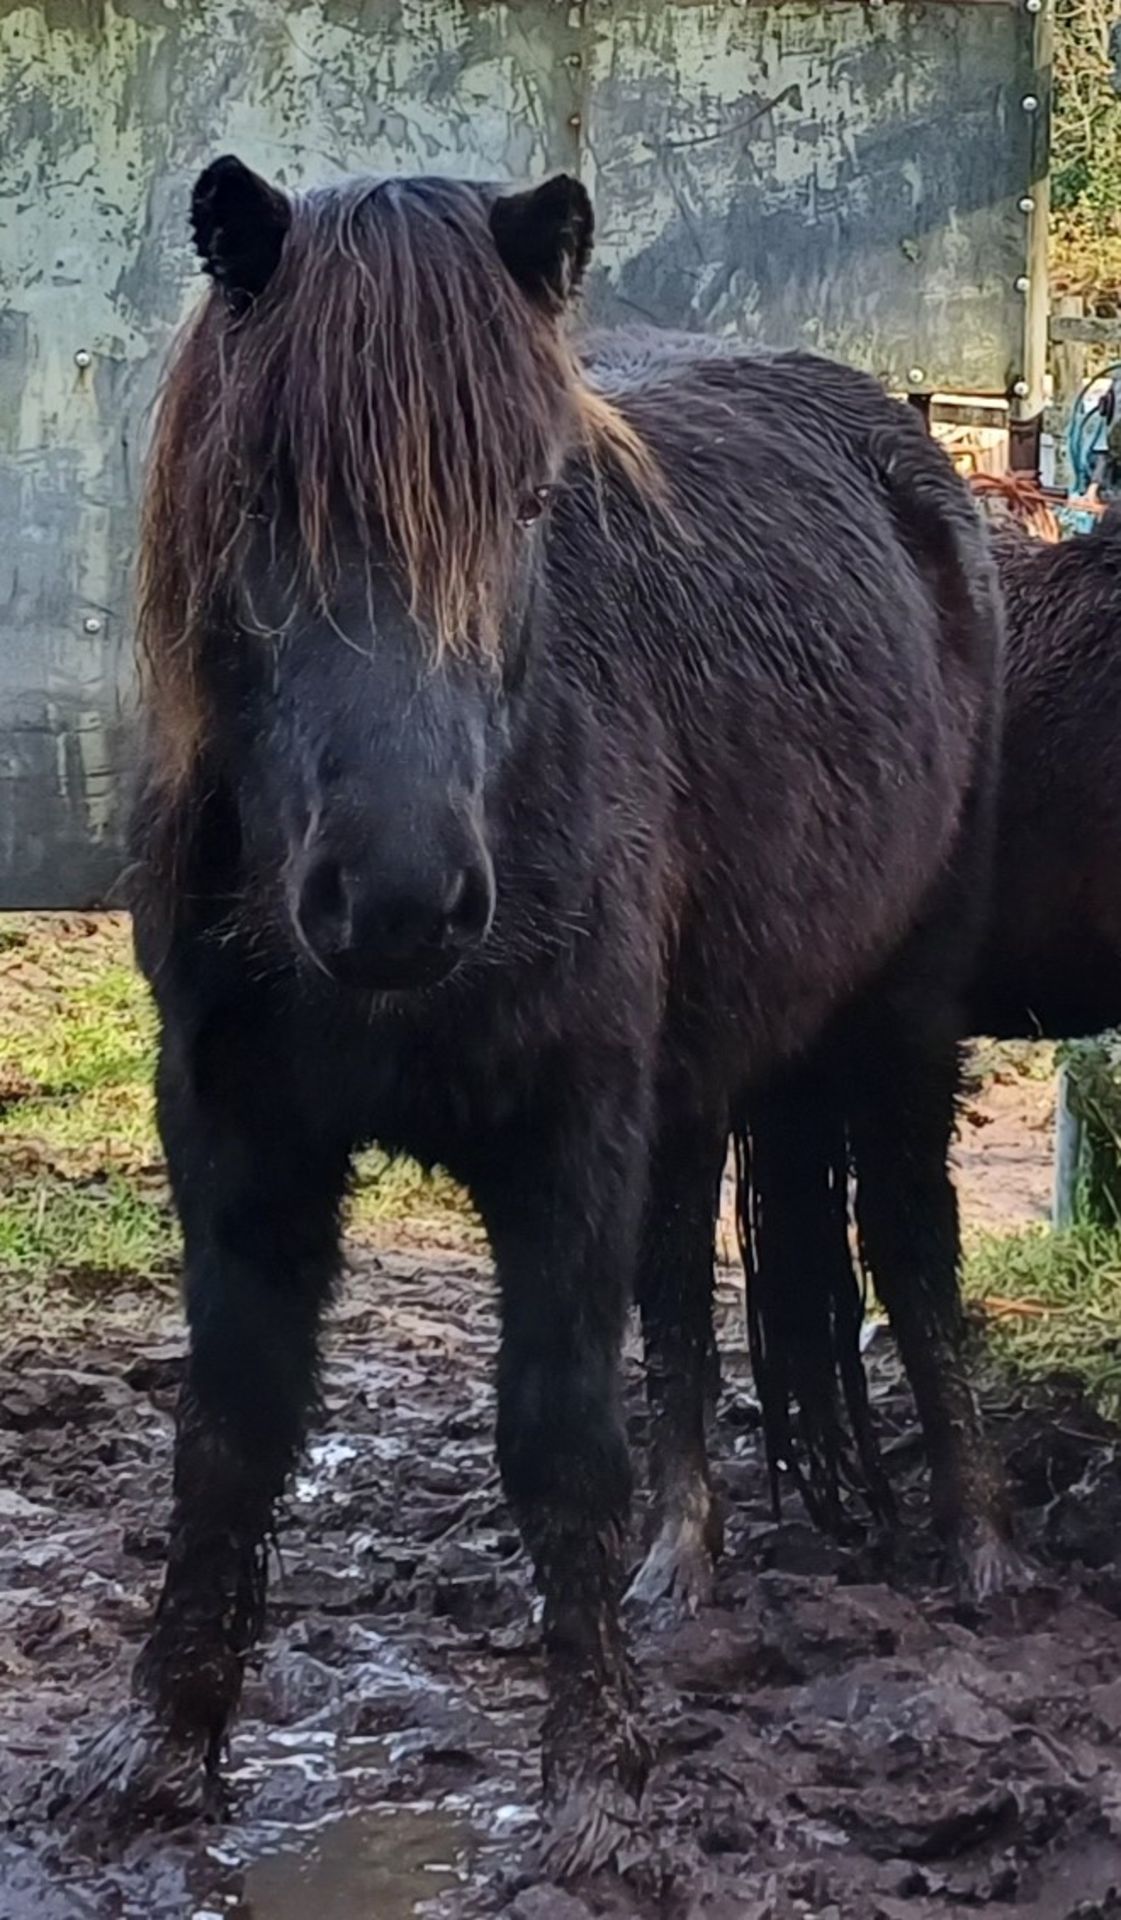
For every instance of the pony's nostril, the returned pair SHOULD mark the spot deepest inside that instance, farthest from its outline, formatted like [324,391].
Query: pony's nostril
[467,905]
[325,904]
[454,898]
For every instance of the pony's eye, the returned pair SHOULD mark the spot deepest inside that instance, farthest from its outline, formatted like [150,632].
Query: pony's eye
[533,506]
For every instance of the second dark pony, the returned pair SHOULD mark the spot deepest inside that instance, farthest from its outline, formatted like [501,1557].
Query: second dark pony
[524,786]
[1048,967]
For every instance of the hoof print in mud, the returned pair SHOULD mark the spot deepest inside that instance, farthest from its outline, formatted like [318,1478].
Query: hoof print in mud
[134,1774]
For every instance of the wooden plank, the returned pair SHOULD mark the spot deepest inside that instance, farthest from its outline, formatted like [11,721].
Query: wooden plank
[960,413]
[1087,331]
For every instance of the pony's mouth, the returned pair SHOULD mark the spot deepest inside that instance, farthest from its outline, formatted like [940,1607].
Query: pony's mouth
[361,972]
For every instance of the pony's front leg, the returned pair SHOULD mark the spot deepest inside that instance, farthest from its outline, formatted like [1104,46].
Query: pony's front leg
[561,1202]
[675,1292]
[257,1180]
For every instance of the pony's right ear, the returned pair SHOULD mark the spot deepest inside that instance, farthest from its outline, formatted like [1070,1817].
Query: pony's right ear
[544,238]
[239,223]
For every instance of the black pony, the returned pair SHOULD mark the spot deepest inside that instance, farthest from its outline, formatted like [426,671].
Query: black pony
[1049,967]
[523,784]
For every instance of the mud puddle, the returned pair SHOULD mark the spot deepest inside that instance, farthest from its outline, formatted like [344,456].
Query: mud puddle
[834,1737]
[391,1863]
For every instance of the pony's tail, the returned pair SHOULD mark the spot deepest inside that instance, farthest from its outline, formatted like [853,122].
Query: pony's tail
[805,1310]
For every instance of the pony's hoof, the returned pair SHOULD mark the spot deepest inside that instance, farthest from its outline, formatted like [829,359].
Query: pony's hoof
[594,1826]
[676,1577]
[986,1565]
[134,1774]
[594,1782]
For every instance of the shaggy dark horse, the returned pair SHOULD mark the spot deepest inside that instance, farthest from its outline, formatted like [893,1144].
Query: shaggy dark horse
[522,785]
[1051,961]
[1049,966]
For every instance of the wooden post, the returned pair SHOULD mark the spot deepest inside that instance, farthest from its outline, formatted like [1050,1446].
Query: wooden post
[1069,363]
[1068,1148]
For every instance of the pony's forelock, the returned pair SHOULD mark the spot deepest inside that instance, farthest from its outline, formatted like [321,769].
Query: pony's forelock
[392,380]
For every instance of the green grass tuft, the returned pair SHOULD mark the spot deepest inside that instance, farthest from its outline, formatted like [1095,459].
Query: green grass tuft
[1051,1302]
[100,1228]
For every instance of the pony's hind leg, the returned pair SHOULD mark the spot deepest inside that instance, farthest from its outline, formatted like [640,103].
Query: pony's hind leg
[560,1197]
[258,1188]
[675,1291]
[904,1086]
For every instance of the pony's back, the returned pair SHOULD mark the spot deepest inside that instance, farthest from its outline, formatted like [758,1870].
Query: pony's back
[809,632]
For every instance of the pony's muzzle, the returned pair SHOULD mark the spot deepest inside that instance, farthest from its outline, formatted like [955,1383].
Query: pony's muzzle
[390,934]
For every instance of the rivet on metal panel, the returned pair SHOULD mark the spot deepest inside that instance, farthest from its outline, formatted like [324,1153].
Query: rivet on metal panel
[83,358]
[91,623]
[1020,389]
[916,376]
[1022,283]
[1027,203]
[1030,103]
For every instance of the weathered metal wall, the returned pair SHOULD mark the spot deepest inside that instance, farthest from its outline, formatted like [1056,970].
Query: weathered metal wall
[845,176]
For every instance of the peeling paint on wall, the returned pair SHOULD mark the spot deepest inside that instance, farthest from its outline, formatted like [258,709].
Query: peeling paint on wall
[839,175]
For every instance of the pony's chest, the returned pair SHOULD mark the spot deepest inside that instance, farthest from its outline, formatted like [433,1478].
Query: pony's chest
[431,1091]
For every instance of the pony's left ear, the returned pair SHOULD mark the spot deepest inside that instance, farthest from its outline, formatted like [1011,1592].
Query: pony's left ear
[239,222]
[544,238]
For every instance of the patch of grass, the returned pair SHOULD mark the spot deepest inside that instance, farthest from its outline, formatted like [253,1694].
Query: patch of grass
[1051,1302]
[83,1199]
[83,1192]
[102,1227]
[1009,1060]
[387,1189]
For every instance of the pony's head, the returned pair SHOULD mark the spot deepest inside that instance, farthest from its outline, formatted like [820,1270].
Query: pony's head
[353,464]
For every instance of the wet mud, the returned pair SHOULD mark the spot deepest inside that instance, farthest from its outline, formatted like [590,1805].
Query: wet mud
[835,1737]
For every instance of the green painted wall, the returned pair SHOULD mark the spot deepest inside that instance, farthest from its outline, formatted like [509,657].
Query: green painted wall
[844,176]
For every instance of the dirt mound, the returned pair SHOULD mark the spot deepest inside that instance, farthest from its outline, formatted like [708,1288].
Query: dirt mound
[834,1737]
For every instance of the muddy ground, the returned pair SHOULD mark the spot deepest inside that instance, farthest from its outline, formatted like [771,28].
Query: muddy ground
[834,1737]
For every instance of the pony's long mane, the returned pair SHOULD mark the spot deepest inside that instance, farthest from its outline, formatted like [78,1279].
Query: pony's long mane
[1016,498]
[393,381]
